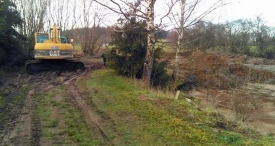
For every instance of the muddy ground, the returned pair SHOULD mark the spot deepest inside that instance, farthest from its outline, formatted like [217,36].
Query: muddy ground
[233,84]
[18,124]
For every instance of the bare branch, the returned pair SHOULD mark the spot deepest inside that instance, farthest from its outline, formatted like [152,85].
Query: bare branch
[168,12]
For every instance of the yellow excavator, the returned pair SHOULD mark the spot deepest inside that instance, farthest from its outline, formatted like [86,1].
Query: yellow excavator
[51,53]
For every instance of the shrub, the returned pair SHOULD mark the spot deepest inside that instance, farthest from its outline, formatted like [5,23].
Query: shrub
[128,55]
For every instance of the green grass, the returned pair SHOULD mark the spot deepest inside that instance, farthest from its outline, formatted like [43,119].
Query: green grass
[253,49]
[159,120]
[77,47]
[62,122]
[166,48]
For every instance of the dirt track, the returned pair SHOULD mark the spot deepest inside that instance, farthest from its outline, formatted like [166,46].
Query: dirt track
[25,127]
[101,123]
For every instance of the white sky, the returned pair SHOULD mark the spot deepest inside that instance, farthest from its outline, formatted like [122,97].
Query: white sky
[241,9]
[235,9]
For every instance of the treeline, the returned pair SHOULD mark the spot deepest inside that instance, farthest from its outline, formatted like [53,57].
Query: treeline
[19,22]
[90,38]
[244,36]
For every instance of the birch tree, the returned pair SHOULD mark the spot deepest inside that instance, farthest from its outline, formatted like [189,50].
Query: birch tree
[145,10]
[188,16]
[90,35]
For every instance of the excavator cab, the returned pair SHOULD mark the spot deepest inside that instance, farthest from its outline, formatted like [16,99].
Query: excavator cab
[63,40]
[41,37]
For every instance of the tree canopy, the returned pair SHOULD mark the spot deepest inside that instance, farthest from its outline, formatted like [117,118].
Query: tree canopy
[10,39]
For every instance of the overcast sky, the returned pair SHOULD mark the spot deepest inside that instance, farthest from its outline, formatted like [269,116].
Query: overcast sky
[235,9]
[238,9]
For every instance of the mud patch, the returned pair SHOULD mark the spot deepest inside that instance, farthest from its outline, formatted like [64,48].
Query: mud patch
[15,107]
[19,125]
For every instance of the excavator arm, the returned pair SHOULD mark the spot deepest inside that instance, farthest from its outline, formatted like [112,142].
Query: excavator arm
[55,34]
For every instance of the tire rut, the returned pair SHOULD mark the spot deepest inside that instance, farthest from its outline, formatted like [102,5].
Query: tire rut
[19,132]
[98,120]
[36,131]
[23,127]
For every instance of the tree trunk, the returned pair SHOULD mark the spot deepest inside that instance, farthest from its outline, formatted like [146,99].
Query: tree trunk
[180,39]
[148,63]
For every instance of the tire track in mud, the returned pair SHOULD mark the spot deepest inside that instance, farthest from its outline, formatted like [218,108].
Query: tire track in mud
[100,121]
[19,132]
[24,127]
[36,131]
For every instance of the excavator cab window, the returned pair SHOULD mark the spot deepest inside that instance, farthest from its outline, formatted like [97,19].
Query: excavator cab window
[42,37]
[63,40]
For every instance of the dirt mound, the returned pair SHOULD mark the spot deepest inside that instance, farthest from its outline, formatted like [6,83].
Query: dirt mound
[219,72]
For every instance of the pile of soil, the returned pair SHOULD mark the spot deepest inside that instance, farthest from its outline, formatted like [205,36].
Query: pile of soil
[215,71]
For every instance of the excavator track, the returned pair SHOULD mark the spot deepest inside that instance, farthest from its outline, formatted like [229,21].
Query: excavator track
[36,66]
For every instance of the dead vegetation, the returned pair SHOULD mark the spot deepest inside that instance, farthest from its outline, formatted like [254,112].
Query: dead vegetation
[227,83]
[217,71]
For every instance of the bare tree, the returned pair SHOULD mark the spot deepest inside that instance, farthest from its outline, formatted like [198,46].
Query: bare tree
[245,103]
[141,9]
[59,13]
[186,18]
[66,14]
[33,13]
[90,35]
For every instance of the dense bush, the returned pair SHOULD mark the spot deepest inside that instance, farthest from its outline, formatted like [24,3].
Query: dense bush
[128,55]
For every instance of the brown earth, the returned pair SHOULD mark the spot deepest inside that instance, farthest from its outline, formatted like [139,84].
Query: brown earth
[24,128]
[226,83]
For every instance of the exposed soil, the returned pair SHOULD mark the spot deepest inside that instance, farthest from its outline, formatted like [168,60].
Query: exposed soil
[234,85]
[23,127]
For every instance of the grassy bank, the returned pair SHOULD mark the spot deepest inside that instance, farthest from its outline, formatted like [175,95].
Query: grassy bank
[137,116]
[144,117]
